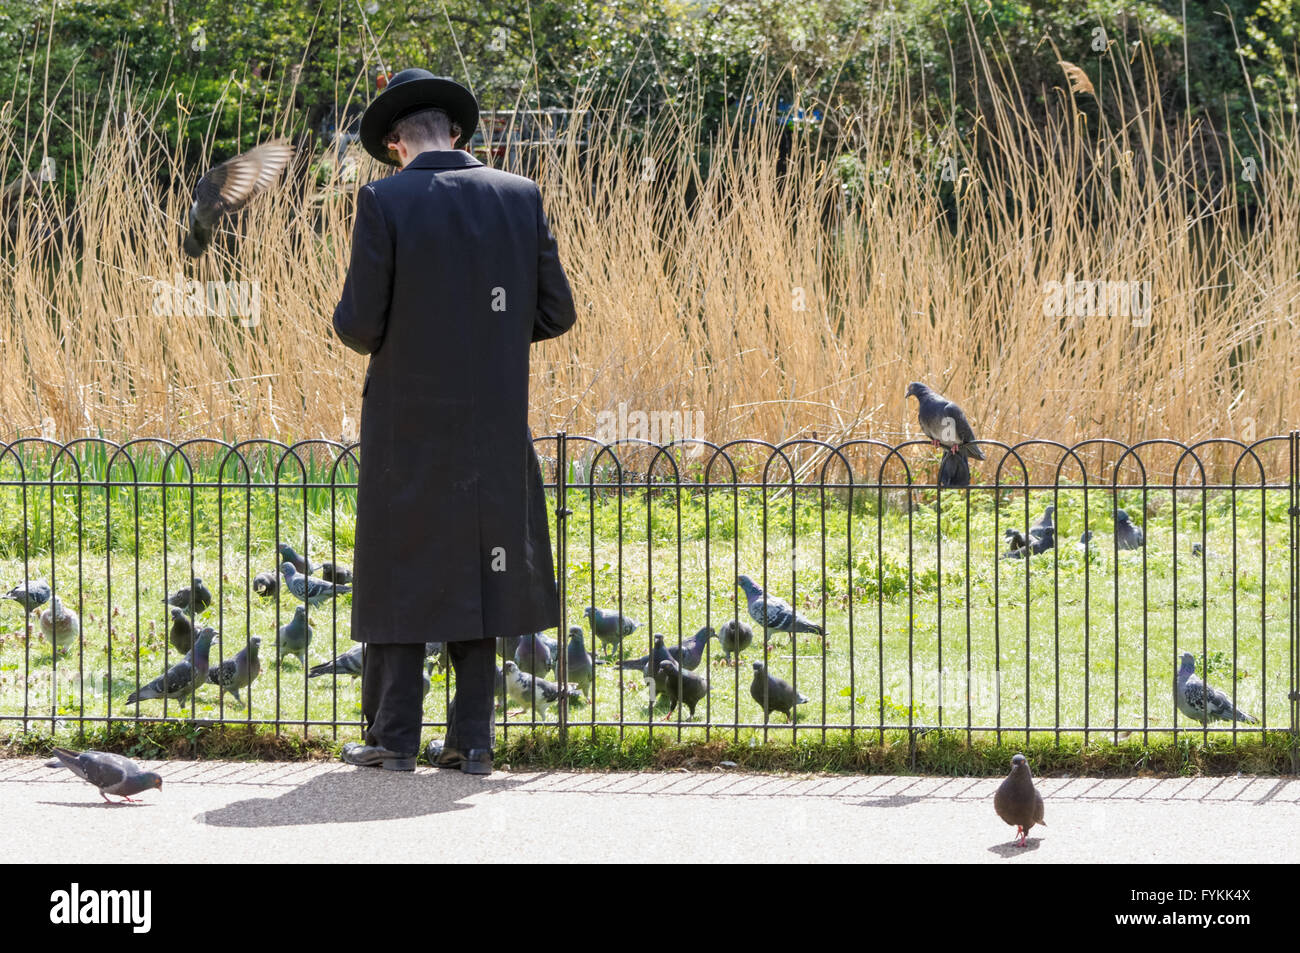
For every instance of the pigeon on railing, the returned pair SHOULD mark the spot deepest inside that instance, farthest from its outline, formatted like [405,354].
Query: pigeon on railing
[1017,801]
[774,694]
[230,186]
[944,422]
[110,773]
[1200,703]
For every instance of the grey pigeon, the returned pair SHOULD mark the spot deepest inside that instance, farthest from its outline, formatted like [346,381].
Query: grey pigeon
[238,672]
[691,651]
[734,637]
[347,663]
[61,625]
[1198,549]
[183,678]
[427,677]
[682,687]
[230,186]
[774,694]
[533,655]
[1127,536]
[30,595]
[440,650]
[111,773]
[335,572]
[1200,703]
[507,645]
[528,690]
[287,555]
[1084,542]
[309,590]
[1017,801]
[1041,537]
[266,584]
[195,596]
[181,633]
[580,667]
[608,626]
[954,471]
[648,666]
[944,422]
[294,636]
[773,613]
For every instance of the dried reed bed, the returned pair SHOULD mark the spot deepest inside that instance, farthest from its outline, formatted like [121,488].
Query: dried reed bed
[776,295]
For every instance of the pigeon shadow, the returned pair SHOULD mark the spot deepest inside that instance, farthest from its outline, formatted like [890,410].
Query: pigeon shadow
[359,795]
[95,804]
[1011,850]
[892,800]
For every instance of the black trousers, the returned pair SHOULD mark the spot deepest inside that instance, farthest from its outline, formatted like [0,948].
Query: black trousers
[392,695]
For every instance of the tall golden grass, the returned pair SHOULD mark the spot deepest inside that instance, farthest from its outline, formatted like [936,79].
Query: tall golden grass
[769,297]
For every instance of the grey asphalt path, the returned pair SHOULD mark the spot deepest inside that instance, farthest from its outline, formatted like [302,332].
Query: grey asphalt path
[329,812]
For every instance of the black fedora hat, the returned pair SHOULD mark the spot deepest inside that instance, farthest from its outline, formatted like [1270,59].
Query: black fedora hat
[410,91]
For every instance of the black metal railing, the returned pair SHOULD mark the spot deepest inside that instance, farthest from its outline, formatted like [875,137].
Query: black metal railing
[922,613]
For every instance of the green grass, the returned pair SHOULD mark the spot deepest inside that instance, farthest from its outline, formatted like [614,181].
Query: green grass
[901,622]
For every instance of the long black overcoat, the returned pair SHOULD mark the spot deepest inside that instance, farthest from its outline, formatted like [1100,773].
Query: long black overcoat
[454,272]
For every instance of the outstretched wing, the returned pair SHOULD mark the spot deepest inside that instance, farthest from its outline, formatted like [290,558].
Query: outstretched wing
[229,186]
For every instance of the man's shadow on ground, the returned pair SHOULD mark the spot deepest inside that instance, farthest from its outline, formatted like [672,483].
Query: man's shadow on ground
[341,797]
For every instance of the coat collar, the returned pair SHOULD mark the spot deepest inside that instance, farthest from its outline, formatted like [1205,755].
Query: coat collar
[443,159]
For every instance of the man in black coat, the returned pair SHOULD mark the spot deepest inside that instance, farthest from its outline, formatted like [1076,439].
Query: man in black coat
[454,272]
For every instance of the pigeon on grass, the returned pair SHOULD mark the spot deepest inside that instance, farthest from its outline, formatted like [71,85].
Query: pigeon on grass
[773,613]
[195,596]
[1041,537]
[30,595]
[774,694]
[182,679]
[528,690]
[110,773]
[682,687]
[294,636]
[580,666]
[609,627]
[1200,703]
[266,584]
[238,672]
[734,637]
[60,625]
[533,655]
[1017,801]
[309,590]
[1127,536]
[346,663]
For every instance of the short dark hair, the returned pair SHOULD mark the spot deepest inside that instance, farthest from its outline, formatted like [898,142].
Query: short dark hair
[424,125]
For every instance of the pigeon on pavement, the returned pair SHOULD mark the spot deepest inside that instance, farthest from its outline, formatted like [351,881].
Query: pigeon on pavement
[195,593]
[230,186]
[580,667]
[294,636]
[61,625]
[111,773]
[944,422]
[1197,702]
[773,613]
[527,690]
[533,655]
[181,633]
[238,672]
[1017,801]
[609,626]
[346,663]
[774,694]
[30,595]
[266,584]
[1041,538]
[1127,535]
[682,687]
[734,637]
[309,590]
[183,678]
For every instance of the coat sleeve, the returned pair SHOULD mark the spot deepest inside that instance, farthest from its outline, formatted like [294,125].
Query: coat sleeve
[555,311]
[362,312]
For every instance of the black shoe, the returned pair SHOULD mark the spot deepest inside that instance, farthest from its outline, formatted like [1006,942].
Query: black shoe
[474,761]
[372,756]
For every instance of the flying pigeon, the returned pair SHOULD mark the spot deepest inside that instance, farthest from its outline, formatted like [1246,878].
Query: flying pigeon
[60,624]
[773,613]
[196,592]
[528,690]
[238,672]
[682,687]
[944,422]
[309,590]
[30,595]
[111,773]
[580,667]
[181,633]
[266,584]
[1127,535]
[533,655]
[287,555]
[609,626]
[774,694]
[734,637]
[954,471]
[335,572]
[1191,693]
[229,187]
[1041,538]
[1017,801]
[183,678]
[294,636]
[347,663]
